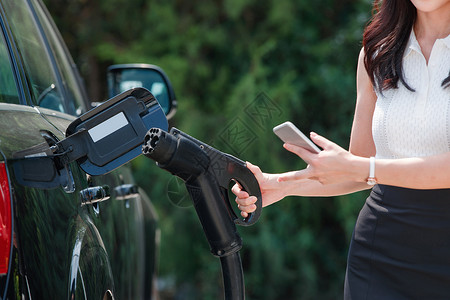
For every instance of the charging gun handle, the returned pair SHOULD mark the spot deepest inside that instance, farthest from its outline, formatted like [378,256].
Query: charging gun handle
[225,167]
[237,171]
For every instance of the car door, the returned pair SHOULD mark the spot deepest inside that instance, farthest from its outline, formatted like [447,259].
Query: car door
[66,236]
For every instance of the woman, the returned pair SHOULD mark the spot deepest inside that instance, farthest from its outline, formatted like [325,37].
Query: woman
[400,140]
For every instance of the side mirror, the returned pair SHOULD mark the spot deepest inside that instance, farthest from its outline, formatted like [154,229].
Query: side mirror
[127,76]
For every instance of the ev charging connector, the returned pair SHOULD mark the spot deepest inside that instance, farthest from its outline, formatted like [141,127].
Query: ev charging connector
[207,173]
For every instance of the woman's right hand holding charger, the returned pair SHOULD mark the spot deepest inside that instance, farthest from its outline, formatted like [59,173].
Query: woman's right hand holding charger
[271,191]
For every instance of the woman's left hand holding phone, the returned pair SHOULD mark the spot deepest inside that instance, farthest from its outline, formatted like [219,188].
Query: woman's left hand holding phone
[332,165]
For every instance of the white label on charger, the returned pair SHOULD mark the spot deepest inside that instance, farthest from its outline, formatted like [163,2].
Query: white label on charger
[107,127]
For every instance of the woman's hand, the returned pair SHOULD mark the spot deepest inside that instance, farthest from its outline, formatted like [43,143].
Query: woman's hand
[271,191]
[332,165]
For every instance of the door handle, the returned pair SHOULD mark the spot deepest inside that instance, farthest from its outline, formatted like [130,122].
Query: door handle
[126,191]
[95,194]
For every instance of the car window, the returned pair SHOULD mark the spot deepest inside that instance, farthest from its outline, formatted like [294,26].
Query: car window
[8,90]
[64,62]
[41,77]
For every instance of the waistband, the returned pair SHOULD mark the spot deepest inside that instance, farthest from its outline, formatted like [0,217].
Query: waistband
[393,196]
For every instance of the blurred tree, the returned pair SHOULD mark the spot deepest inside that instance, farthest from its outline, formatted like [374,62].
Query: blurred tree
[239,67]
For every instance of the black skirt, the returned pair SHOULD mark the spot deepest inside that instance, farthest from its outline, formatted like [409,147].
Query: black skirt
[400,247]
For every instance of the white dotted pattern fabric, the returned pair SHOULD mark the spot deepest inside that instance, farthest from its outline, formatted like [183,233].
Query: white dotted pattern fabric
[416,124]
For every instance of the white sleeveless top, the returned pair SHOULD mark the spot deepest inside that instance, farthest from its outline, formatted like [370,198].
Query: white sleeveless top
[414,124]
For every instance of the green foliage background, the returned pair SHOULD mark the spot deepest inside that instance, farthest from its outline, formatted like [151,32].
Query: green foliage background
[288,60]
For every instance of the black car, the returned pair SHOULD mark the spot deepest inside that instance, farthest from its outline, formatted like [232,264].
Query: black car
[70,235]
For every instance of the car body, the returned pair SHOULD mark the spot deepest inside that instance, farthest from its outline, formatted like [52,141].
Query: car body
[63,241]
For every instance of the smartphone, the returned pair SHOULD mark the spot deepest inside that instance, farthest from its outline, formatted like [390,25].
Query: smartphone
[288,133]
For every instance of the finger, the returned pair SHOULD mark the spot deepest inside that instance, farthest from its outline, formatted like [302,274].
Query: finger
[238,191]
[244,214]
[247,208]
[295,175]
[246,201]
[321,141]
[300,151]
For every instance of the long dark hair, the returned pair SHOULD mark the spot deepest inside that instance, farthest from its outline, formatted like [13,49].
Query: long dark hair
[385,39]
